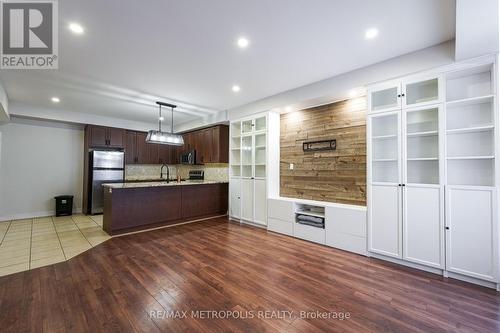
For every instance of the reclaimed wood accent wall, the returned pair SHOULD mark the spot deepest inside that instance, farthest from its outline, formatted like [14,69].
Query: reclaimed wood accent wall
[336,175]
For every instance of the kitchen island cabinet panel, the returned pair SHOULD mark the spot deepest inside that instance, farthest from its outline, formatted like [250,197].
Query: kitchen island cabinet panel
[135,208]
[204,200]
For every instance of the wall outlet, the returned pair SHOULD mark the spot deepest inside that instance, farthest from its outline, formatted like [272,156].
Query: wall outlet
[291,166]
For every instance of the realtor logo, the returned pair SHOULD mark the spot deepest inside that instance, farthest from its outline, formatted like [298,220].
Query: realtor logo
[29,34]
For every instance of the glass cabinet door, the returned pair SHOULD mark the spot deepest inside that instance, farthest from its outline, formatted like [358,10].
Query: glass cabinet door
[246,126]
[246,156]
[422,146]
[421,92]
[386,97]
[385,147]
[260,124]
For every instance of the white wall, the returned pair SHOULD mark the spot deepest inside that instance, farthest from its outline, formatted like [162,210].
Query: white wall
[338,87]
[4,105]
[38,160]
[477,30]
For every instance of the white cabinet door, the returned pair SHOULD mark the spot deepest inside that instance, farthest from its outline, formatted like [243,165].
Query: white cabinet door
[385,97]
[421,90]
[471,240]
[260,201]
[247,197]
[384,220]
[345,229]
[280,209]
[235,198]
[423,225]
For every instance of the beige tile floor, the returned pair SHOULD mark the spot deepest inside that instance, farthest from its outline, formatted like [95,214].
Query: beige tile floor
[31,243]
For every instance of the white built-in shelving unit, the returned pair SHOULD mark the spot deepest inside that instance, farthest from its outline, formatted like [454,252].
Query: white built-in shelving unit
[432,200]
[470,127]
[249,164]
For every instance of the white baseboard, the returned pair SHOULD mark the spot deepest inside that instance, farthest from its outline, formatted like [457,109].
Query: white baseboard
[31,215]
[437,271]
[407,263]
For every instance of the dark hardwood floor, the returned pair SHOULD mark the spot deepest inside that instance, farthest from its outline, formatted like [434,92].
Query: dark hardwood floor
[130,283]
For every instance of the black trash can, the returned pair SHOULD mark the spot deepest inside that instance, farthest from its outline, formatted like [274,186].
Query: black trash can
[64,205]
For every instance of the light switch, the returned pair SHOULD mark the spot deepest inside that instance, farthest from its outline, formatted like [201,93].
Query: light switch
[291,166]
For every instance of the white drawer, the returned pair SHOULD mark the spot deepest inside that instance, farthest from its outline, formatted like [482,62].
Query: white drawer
[346,242]
[346,221]
[280,209]
[309,233]
[282,227]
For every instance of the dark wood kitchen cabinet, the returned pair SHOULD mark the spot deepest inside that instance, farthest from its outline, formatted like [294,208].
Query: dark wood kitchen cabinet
[166,154]
[138,151]
[220,144]
[211,144]
[130,148]
[131,209]
[105,137]
[206,145]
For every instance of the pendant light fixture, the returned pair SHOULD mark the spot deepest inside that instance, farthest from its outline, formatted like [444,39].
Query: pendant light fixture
[165,138]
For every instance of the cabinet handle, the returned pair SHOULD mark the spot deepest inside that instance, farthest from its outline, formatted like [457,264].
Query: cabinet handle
[403,95]
[399,95]
[403,184]
[447,228]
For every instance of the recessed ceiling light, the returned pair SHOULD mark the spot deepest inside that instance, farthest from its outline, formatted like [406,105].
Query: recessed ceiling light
[76,28]
[55,99]
[353,93]
[288,109]
[243,43]
[161,118]
[236,88]
[371,33]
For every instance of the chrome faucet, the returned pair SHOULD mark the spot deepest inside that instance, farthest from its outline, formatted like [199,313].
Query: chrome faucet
[168,172]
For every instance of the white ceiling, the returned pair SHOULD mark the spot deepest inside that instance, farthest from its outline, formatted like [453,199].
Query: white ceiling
[135,52]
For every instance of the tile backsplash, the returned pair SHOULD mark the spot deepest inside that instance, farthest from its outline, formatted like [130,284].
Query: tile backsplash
[215,172]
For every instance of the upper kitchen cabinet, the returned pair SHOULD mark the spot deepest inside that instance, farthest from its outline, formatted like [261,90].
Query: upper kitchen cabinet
[220,144]
[137,151]
[130,148]
[109,137]
[166,154]
[188,142]
[211,144]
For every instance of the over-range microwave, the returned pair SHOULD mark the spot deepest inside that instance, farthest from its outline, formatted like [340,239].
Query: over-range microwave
[188,157]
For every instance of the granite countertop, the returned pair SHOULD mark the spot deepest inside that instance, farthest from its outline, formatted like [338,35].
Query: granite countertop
[162,183]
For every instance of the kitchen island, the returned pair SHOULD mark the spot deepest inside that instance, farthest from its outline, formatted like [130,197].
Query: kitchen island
[143,205]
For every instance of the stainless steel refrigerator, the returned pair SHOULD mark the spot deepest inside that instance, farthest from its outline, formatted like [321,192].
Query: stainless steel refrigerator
[105,167]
